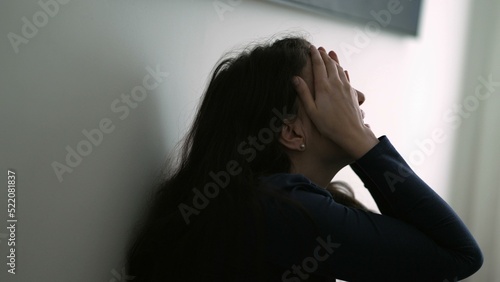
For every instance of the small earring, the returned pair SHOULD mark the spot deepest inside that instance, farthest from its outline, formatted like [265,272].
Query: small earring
[302,146]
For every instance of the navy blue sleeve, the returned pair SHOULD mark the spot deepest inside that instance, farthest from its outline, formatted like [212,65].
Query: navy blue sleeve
[418,237]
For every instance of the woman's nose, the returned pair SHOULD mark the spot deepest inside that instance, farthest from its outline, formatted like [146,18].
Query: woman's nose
[361,97]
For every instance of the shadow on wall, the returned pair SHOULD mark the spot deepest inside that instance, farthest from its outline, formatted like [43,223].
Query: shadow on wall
[87,143]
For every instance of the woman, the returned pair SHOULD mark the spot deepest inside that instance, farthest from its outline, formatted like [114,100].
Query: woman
[250,199]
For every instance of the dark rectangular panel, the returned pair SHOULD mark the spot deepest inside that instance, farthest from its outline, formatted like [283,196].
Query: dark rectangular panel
[402,15]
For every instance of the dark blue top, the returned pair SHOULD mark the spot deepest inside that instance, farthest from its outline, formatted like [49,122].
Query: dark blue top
[418,237]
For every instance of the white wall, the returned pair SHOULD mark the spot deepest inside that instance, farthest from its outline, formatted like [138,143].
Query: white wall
[68,75]
[476,159]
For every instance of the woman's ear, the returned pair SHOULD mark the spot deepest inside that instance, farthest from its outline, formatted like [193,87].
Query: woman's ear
[292,135]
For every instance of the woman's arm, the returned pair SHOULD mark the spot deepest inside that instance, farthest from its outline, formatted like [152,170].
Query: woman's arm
[422,239]
[409,199]
[418,237]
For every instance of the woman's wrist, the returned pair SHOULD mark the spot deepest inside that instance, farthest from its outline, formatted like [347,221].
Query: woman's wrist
[358,145]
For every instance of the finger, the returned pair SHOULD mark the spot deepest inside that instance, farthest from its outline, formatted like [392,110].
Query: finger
[341,74]
[319,69]
[331,70]
[304,94]
[347,75]
[334,56]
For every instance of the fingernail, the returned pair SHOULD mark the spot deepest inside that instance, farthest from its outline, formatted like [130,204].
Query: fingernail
[295,81]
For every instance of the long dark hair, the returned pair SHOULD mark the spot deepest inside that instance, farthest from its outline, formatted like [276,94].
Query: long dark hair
[206,206]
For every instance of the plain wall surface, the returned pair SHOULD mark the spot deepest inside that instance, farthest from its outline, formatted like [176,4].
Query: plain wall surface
[66,78]
[476,160]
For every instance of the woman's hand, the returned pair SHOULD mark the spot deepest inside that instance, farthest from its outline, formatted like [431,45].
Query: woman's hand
[334,107]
